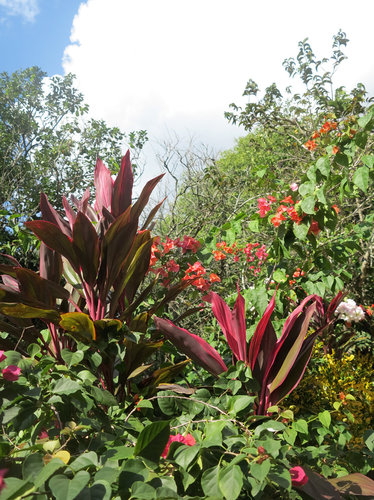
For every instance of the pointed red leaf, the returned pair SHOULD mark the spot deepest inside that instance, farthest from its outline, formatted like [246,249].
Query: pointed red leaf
[122,188]
[144,196]
[103,186]
[50,264]
[49,214]
[260,331]
[86,247]
[232,324]
[193,346]
[55,239]
[70,214]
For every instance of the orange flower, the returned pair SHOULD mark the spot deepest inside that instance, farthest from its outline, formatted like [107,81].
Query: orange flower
[335,150]
[213,278]
[336,208]
[311,145]
[218,255]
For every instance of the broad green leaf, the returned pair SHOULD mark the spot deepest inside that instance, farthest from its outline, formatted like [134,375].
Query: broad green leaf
[79,325]
[323,165]
[47,471]
[32,466]
[307,188]
[361,178]
[100,490]
[64,488]
[308,204]
[301,425]
[72,358]
[341,159]
[209,482]
[300,230]
[66,386]
[103,396]
[152,440]
[84,461]
[260,471]
[230,481]
[16,489]
[279,275]
[185,455]
[325,418]
[369,439]
[143,490]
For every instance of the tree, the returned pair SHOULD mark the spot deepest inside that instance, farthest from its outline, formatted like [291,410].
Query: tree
[48,143]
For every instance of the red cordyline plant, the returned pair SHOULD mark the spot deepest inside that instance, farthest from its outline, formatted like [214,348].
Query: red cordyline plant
[92,263]
[277,364]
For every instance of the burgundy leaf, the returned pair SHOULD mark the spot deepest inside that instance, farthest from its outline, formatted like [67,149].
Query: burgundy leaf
[55,239]
[49,214]
[122,188]
[152,213]
[50,264]
[86,247]
[232,324]
[193,346]
[260,331]
[144,196]
[103,186]
[70,214]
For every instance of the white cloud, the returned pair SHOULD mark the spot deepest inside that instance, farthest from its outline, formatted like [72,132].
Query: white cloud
[177,65]
[27,9]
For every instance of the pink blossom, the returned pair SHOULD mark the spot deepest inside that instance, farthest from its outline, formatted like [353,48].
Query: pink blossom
[188,440]
[11,373]
[2,474]
[2,356]
[294,186]
[263,206]
[190,244]
[298,476]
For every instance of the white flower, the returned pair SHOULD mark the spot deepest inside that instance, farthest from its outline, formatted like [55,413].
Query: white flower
[349,311]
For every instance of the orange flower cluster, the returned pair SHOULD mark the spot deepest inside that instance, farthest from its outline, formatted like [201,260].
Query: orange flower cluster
[254,253]
[325,129]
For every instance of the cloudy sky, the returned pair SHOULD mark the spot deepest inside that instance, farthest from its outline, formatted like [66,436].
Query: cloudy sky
[174,66]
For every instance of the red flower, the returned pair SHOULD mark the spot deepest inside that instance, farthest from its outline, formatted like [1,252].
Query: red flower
[218,255]
[2,474]
[336,208]
[196,268]
[2,356]
[11,373]
[263,206]
[298,476]
[190,244]
[315,135]
[314,228]
[272,199]
[172,266]
[311,145]
[277,219]
[213,278]
[335,150]
[201,284]
[187,440]
[288,199]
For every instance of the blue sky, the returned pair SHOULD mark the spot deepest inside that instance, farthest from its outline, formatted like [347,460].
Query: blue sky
[35,33]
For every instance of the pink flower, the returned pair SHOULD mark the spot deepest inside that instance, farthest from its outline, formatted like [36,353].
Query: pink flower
[2,474]
[298,476]
[2,356]
[263,206]
[11,373]
[188,440]
[190,244]
[294,186]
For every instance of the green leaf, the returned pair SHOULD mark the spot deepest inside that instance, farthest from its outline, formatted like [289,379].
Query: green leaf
[230,481]
[100,490]
[307,188]
[341,159]
[143,491]
[323,165]
[308,204]
[300,231]
[279,275]
[369,439]
[185,455]
[23,311]
[152,440]
[16,489]
[325,418]
[66,386]
[48,471]
[68,489]
[239,403]
[32,466]
[260,471]
[84,461]
[72,358]
[79,326]
[103,396]
[209,482]
[301,425]
[361,178]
